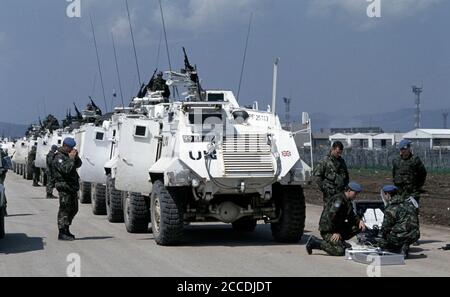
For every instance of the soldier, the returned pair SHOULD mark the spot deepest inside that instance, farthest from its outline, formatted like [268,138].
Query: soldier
[50,180]
[338,223]
[34,169]
[159,84]
[400,226]
[3,169]
[65,164]
[408,172]
[331,174]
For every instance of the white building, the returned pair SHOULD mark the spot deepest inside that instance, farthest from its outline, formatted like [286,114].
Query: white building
[430,138]
[367,140]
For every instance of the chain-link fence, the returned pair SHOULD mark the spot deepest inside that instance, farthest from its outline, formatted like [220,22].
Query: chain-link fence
[434,159]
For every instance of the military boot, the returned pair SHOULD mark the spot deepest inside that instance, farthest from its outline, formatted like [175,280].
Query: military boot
[405,250]
[63,236]
[312,244]
[68,232]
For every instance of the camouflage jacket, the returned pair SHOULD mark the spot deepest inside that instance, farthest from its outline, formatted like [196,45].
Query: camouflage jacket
[31,157]
[409,175]
[159,84]
[338,215]
[401,221]
[49,160]
[331,175]
[65,172]
[3,169]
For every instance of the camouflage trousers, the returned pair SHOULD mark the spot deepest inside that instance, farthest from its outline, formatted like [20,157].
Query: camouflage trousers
[50,183]
[36,174]
[337,248]
[68,208]
[394,243]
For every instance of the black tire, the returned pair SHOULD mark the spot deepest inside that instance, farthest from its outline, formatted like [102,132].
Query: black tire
[98,194]
[245,225]
[167,214]
[290,203]
[135,212]
[2,223]
[114,208]
[85,192]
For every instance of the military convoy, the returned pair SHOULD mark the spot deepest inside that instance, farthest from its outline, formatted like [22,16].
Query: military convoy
[201,158]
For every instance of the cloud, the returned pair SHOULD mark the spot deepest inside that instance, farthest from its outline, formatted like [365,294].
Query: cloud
[184,18]
[354,12]
[206,15]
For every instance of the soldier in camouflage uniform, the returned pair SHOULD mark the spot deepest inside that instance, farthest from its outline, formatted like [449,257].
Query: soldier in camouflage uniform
[35,170]
[331,174]
[159,84]
[400,226]
[408,172]
[338,223]
[65,164]
[3,169]
[50,179]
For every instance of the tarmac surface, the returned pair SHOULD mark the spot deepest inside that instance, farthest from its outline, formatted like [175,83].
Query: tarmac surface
[31,248]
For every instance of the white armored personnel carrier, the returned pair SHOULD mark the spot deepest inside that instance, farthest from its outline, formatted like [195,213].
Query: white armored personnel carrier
[204,159]
[94,147]
[44,144]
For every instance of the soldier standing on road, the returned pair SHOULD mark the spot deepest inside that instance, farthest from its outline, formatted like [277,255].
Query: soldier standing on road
[338,223]
[400,226]
[3,169]
[50,179]
[65,164]
[331,174]
[34,169]
[408,172]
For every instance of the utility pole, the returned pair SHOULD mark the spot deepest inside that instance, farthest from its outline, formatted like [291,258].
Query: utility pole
[417,118]
[287,103]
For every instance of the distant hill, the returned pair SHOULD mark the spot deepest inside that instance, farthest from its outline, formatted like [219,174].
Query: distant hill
[12,130]
[397,121]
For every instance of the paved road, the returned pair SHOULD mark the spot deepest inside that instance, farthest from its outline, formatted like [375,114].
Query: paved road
[31,247]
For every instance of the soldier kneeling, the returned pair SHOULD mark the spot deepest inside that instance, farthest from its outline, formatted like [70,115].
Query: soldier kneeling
[338,223]
[400,226]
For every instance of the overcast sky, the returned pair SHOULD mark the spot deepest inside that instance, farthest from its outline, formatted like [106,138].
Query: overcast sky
[334,58]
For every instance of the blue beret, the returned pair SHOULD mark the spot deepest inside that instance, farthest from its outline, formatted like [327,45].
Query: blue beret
[389,189]
[70,142]
[355,187]
[405,143]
